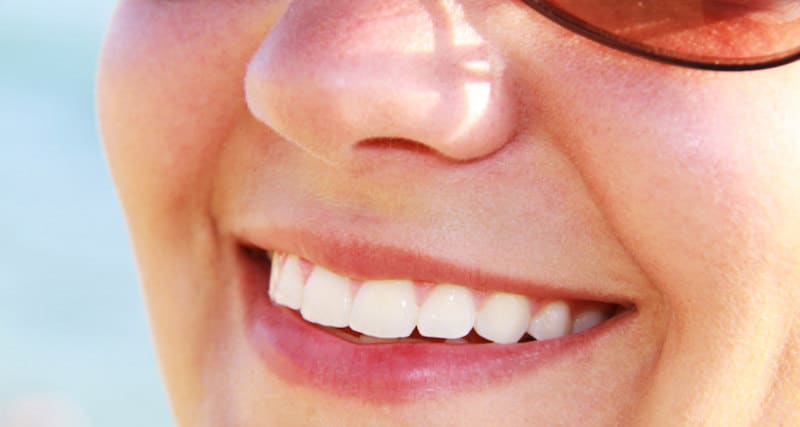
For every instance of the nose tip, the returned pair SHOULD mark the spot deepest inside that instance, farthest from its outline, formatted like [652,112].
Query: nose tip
[332,74]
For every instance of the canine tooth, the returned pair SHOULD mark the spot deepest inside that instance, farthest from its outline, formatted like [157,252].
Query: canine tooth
[385,309]
[588,319]
[327,299]
[448,312]
[289,283]
[503,318]
[551,321]
[274,275]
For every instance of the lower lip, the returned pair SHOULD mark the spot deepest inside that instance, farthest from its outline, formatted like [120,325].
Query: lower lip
[303,354]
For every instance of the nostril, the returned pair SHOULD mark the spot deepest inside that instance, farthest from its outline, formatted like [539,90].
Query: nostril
[399,146]
[395,144]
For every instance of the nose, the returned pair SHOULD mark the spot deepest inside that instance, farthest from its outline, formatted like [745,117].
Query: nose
[335,74]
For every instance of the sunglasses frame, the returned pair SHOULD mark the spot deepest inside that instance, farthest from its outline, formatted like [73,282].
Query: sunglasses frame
[599,35]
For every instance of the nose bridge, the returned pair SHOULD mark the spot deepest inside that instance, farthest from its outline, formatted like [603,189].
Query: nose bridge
[334,73]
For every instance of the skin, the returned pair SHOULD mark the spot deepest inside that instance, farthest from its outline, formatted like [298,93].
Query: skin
[585,167]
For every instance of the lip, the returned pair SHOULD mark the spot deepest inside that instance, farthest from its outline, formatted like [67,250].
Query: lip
[304,354]
[361,260]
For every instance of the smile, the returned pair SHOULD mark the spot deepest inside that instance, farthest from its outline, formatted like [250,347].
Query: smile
[335,316]
[405,310]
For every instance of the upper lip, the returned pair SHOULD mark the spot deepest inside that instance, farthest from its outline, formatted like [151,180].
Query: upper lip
[355,256]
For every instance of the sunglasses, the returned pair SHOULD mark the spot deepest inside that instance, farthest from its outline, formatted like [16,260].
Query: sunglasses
[723,35]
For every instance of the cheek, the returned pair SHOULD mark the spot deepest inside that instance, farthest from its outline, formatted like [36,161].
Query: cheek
[695,171]
[171,91]
[170,94]
[698,184]
[701,189]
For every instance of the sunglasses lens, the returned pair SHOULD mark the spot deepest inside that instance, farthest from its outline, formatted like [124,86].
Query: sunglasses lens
[710,31]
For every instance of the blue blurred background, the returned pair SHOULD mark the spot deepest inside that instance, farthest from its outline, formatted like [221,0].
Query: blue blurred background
[75,350]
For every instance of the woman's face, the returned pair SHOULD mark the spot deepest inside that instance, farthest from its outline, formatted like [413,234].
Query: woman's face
[467,142]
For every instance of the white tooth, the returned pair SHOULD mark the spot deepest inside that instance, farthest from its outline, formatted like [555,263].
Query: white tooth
[385,309]
[448,312]
[274,274]
[588,319]
[551,321]
[327,299]
[289,283]
[503,318]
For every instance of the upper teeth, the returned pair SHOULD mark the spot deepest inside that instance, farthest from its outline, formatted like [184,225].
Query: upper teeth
[393,308]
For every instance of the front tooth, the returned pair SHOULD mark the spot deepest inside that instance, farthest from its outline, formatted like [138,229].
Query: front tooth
[589,319]
[551,321]
[385,309]
[288,283]
[448,312]
[327,299]
[504,318]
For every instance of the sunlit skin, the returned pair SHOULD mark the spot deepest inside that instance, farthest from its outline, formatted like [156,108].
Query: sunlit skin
[480,133]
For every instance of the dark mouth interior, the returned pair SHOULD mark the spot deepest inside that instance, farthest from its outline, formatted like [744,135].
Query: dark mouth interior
[356,337]
[260,260]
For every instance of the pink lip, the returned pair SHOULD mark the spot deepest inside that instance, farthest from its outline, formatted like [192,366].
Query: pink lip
[303,354]
[360,260]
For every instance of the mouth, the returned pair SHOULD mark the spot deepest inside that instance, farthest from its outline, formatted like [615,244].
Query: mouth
[407,310]
[391,338]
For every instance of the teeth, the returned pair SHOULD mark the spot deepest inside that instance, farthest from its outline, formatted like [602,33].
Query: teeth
[448,312]
[328,299]
[385,309]
[589,319]
[289,287]
[504,318]
[274,274]
[551,321]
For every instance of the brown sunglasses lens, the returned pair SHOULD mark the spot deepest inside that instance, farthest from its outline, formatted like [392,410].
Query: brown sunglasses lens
[713,31]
